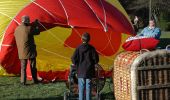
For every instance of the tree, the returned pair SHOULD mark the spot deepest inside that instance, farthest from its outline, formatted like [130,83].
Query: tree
[159,8]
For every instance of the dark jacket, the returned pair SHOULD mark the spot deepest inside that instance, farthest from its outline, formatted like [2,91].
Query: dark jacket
[85,57]
[24,36]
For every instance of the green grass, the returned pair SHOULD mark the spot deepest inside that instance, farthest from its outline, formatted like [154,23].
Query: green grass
[165,35]
[11,89]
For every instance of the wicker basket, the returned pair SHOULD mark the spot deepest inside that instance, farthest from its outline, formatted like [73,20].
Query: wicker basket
[142,76]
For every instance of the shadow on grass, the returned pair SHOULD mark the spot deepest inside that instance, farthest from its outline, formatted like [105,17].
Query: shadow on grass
[5,85]
[49,98]
[105,96]
[108,96]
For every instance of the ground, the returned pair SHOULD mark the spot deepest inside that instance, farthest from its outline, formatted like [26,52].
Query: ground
[11,89]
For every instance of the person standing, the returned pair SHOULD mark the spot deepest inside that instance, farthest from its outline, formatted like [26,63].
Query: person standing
[136,20]
[24,36]
[85,58]
[136,24]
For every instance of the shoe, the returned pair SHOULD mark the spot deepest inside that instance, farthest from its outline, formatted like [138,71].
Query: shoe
[23,84]
[38,81]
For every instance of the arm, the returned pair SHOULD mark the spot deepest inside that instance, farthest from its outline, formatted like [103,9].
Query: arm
[157,33]
[75,57]
[95,56]
[35,28]
[142,32]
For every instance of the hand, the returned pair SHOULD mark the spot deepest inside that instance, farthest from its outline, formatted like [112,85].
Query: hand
[72,64]
[36,22]
[98,67]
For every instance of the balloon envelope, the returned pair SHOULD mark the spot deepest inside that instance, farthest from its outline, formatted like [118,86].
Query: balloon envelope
[62,23]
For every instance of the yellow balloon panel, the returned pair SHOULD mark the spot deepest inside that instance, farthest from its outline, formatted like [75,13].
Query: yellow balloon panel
[4,21]
[4,73]
[52,54]
[9,9]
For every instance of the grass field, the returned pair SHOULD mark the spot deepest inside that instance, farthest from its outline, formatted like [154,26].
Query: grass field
[11,89]
[165,35]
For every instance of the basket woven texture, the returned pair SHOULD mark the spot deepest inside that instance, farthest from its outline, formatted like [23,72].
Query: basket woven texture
[142,76]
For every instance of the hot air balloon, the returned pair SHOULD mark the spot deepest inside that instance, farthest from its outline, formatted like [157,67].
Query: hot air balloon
[62,23]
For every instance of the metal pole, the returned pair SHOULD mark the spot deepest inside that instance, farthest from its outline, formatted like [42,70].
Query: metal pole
[150,9]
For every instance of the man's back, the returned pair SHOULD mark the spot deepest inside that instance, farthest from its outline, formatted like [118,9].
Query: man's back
[25,42]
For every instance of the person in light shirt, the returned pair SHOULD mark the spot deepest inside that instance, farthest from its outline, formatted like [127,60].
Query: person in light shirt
[151,31]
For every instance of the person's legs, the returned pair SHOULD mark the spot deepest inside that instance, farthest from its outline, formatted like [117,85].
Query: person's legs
[81,85]
[33,69]
[23,70]
[88,89]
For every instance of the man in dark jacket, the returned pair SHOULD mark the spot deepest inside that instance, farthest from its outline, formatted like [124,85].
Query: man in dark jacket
[85,58]
[24,36]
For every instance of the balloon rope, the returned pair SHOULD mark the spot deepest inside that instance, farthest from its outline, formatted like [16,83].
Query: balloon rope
[67,58]
[10,18]
[65,11]
[105,17]
[44,9]
[1,35]
[105,27]
[96,16]
[68,21]
[46,28]
[78,33]
[58,40]
[52,34]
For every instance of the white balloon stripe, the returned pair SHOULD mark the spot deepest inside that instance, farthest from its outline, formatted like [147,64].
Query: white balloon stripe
[10,17]
[105,17]
[44,9]
[67,58]
[96,15]
[97,50]
[6,45]
[52,34]
[65,12]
